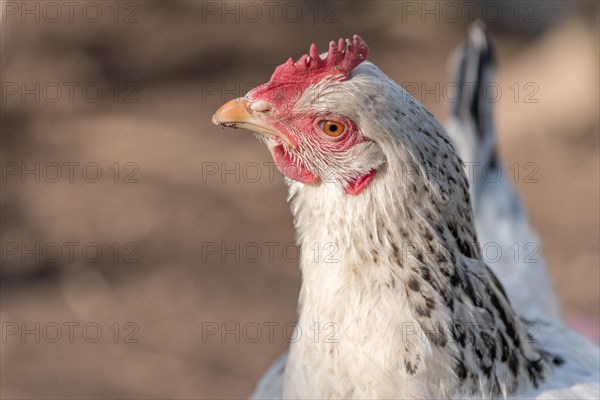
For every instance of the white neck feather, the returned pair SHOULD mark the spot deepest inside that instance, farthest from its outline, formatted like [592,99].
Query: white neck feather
[394,295]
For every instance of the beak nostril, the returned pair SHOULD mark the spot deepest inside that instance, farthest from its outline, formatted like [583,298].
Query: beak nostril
[261,106]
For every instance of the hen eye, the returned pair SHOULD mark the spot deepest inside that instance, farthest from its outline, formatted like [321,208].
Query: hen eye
[332,128]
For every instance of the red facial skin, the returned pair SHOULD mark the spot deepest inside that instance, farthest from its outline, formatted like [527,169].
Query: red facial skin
[287,167]
[357,186]
[309,126]
[286,86]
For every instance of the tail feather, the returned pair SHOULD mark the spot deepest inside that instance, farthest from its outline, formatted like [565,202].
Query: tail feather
[474,73]
[471,124]
[500,217]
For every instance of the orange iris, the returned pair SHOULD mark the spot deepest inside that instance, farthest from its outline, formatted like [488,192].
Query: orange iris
[332,128]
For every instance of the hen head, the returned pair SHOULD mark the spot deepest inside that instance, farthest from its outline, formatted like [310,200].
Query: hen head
[311,116]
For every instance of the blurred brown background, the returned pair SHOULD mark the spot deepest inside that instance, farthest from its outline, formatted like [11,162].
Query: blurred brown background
[160,277]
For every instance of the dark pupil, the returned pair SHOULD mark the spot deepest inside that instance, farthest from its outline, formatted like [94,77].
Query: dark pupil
[333,128]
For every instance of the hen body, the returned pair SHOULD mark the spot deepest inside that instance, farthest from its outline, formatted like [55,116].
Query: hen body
[416,311]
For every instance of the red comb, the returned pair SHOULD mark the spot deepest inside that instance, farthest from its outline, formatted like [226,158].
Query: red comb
[310,68]
[339,60]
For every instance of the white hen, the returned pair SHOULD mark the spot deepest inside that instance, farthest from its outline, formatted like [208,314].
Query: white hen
[418,313]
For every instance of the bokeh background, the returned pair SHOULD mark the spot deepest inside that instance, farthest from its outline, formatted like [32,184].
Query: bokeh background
[160,277]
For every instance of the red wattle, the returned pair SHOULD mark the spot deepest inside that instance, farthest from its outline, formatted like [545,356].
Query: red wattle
[292,170]
[357,186]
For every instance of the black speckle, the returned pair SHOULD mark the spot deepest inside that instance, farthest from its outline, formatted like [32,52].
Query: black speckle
[396,253]
[504,348]
[428,234]
[422,311]
[510,328]
[461,370]
[470,292]
[479,354]
[375,255]
[436,336]
[487,370]
[419,256]
[410,368]
[459,335]
[425,274]
[455,280]
[440,257]
[497,283]
[534,369]
[413,284]
[429,303]
[490,344]
[513,363]
[558,361]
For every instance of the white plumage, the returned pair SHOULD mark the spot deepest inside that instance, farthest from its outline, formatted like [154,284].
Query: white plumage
[418,313]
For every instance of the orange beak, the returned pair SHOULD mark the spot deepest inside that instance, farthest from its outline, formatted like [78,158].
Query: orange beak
[237,113]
